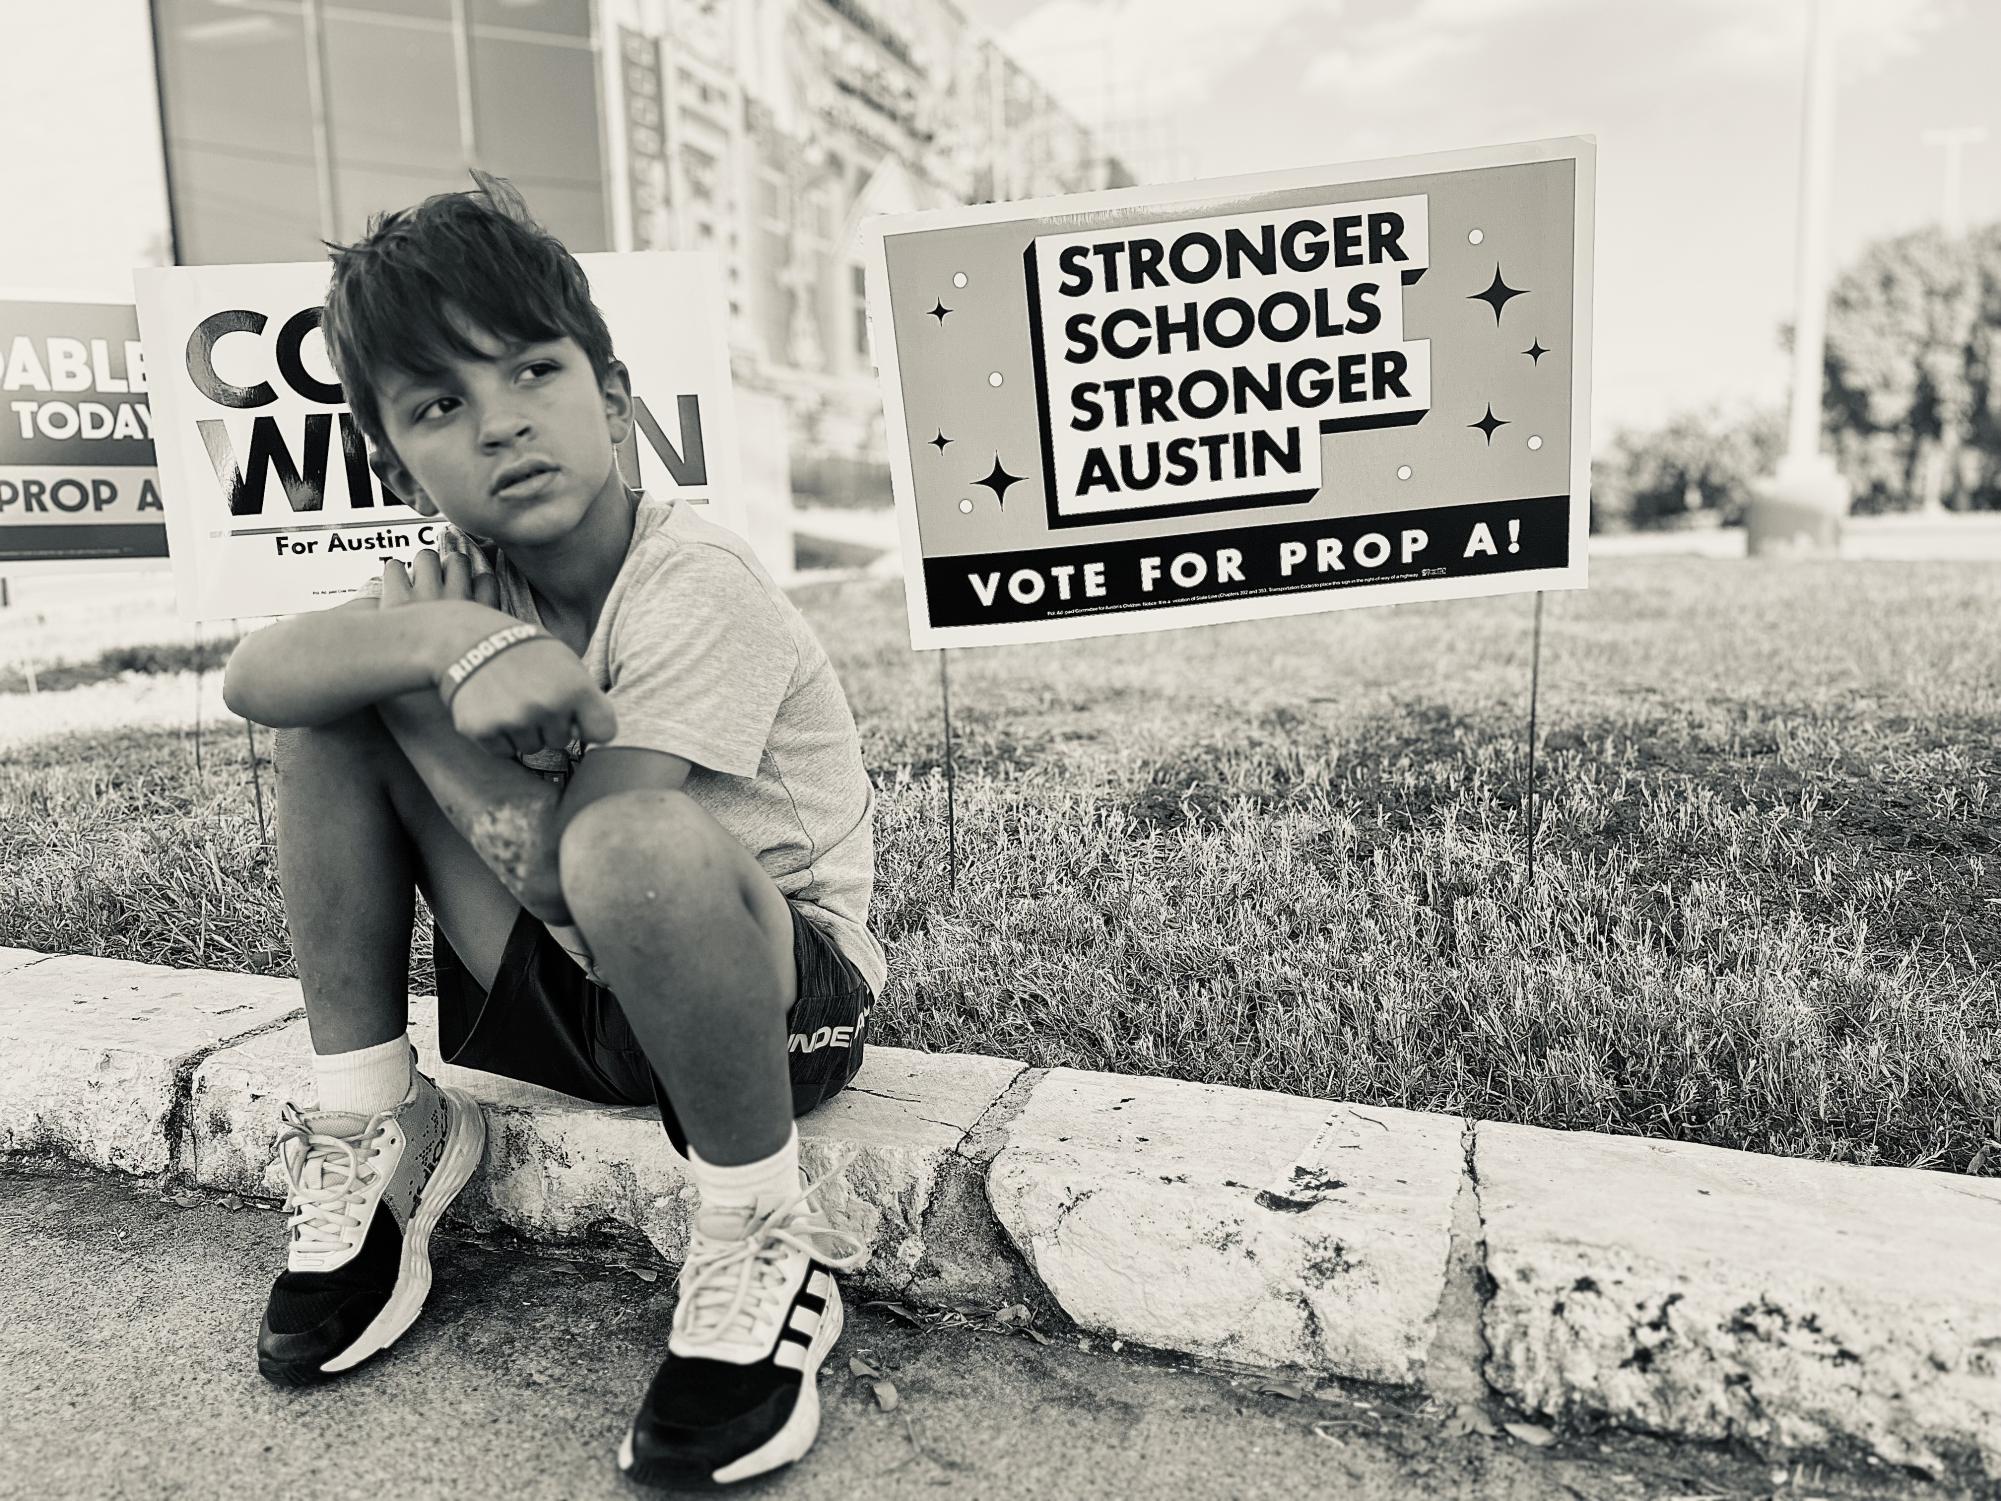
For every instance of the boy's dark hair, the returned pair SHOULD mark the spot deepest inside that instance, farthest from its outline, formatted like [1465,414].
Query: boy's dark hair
[478,253]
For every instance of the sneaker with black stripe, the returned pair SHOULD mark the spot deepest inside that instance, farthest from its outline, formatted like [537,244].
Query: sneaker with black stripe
[364,1195]
[758,1313]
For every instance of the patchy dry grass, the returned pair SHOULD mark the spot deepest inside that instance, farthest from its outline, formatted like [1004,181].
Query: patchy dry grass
[1288,855]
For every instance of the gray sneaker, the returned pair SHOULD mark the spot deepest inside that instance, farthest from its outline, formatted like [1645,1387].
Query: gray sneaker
[365,1194]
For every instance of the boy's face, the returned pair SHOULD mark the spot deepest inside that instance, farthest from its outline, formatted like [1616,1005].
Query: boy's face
[513,447]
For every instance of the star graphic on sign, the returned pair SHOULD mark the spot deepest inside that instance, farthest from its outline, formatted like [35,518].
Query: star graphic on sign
[938,309]
[1497,294]
[940,441]
[997,480]
[1535,351]
[1488,423]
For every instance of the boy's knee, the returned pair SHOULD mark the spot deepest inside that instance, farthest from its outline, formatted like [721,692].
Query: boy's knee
[622,845]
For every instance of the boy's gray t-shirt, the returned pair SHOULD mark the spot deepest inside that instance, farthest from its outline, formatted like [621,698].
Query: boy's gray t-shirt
[703,655]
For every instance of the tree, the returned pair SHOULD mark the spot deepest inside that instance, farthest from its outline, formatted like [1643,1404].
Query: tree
[1697,464]
[1914,368]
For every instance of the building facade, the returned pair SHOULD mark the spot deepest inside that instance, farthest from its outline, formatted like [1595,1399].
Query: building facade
[764,130]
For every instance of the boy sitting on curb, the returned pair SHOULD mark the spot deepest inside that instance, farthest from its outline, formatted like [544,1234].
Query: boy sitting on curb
[647,922]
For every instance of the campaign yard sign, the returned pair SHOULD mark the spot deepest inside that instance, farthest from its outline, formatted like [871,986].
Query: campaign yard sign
[271,506]
[1265,395]
[78,490]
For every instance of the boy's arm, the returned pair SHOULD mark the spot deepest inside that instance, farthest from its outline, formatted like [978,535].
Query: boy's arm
[506,812]
[322,666]
[315,668]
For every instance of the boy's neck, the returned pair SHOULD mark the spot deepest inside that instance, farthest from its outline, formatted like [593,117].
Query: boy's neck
[572,579]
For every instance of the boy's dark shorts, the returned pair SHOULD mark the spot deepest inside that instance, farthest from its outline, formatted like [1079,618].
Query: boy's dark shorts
[546,1022]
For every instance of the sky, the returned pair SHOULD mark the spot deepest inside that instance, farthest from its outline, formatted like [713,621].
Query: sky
[82,181]
[1695,105]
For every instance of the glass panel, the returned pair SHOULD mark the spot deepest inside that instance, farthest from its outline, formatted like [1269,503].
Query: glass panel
[239,132]
[536,113]
[775,304]
[771,198]
[858,284]
[562,17]
[434,10]
[392,116]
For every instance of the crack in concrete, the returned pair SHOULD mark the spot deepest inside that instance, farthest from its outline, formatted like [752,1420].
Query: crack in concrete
[1455,1365]
[180,1108]
[960,1213]
[987,1135]
[1483,1277]
[883,1094]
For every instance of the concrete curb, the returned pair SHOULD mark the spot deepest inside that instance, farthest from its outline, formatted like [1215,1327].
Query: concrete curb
[1802,1308]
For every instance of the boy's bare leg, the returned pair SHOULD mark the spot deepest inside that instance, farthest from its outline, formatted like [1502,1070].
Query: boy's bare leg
[696,943]
[387,1149]
[358,833]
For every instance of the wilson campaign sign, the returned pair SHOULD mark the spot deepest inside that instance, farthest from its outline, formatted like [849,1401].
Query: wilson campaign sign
[78,491]
[1254,396]
[270,502]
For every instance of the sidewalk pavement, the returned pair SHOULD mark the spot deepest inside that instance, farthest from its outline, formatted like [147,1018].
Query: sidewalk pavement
[1806,1309]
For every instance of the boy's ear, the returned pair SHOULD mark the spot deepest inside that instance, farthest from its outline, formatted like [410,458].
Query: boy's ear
[399,482]
[618,410]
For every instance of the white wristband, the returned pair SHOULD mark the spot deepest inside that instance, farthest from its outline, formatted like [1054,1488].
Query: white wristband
[481,654]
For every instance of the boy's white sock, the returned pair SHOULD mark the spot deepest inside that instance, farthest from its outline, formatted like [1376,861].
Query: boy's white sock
[365,1080]
[734,1196]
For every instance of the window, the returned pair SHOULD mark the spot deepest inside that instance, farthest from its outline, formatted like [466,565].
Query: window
[773,201]
[556,17]
[820,214]
[392,115]
[858,282]
[549,149]
[249,172]
[239,130]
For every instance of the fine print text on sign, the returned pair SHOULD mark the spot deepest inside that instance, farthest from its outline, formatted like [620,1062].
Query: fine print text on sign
[1268,395]
[78,489]
[271,500]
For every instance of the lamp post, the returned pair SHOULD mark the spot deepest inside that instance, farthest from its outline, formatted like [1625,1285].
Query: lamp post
[1800,508]
[1955,142]
[1952,223]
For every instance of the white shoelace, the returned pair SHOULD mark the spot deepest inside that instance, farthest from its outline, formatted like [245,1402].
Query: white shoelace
[733,1291]
[326,1180]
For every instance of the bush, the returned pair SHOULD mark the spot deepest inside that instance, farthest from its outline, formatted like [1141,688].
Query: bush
[1699,466]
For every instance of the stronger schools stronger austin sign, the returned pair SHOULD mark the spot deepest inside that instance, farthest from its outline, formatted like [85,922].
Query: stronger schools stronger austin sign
[271,506]
[1257,396]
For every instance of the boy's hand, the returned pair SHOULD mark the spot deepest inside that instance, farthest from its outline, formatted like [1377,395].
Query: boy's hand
[427,578]
[535,696]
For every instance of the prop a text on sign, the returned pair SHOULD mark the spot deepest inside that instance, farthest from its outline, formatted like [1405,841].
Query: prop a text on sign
[78,488]
[270,496]
[1268,395]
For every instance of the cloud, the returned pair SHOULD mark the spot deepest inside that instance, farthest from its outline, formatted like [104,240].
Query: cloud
[1404,54]
[1102,57]
[1770,37]
[1414,57]
[1381,66]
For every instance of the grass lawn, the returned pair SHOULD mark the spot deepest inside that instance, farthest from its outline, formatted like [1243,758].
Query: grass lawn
[1766,910]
